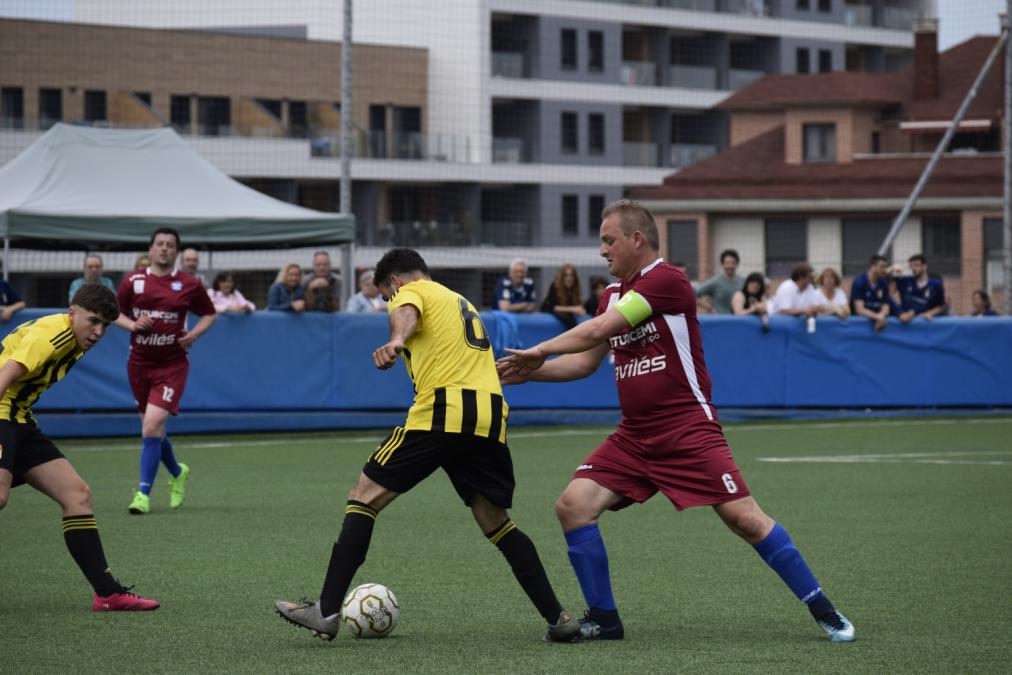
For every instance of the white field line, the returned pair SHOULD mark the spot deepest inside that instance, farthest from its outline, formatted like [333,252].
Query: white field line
[120,445]
[953,457]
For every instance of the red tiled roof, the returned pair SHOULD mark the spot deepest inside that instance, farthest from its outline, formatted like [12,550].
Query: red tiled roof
[957,69]
[756,170]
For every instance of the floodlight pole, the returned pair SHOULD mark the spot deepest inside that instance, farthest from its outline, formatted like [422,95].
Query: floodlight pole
[347,272]
[943,144]
[1007,157]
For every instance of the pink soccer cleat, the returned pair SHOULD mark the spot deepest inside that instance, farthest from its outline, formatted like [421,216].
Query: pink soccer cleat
[124,601]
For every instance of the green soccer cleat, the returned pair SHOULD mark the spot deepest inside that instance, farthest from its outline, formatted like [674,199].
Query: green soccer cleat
[177,487]
[141,504]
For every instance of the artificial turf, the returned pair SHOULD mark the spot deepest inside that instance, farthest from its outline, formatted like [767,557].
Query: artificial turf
[907,528]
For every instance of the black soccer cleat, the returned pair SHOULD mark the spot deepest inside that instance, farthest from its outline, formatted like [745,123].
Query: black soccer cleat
[601,624]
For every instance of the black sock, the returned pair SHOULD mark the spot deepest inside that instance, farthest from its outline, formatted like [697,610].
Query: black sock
[81,535]
[347,555]
[519,551]
[820,606]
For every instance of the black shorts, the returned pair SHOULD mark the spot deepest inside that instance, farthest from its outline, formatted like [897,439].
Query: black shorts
[475,465]
[23,447]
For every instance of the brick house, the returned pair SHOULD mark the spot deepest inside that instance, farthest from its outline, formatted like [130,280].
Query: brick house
[819,166]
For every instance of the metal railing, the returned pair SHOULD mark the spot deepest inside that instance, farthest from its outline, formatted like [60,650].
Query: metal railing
[639,154]
[508,64]
[639,73]
[504,233]
[747,7]
[693,77]
[508,150]
[858,15]
[899,18]
[424,233]
[684,154]
[405,145]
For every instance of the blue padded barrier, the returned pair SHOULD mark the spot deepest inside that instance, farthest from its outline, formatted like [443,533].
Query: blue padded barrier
[315,362]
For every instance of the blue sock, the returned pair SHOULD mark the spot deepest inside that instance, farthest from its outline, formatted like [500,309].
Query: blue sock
[151,453]
[168,458]
[590,562]
[779,552]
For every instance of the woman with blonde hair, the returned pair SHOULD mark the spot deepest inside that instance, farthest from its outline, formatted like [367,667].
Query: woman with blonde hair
[564,299]
[831,298]
[287,294]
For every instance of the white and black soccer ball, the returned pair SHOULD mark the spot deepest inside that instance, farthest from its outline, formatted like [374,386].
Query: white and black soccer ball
[370,611]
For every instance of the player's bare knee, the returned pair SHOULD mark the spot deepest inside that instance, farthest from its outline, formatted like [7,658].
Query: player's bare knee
[571,513]
[4,495]
[77,499]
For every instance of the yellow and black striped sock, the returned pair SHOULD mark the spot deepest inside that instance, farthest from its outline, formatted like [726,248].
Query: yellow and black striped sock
[85,546]
[347,555]
[519,551]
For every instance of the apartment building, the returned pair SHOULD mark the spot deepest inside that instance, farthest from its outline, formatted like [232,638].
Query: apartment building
[536,114]
[820,166]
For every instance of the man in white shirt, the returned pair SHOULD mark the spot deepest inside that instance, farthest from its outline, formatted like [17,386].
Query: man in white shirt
[796,296]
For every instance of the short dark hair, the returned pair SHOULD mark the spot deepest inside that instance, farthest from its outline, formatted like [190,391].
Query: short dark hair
[98,298]
[985,297]
[166,230]
[224,275]
[598,281]
[399,261]
[800,271]
[919,257]
[729,252]
[875,259]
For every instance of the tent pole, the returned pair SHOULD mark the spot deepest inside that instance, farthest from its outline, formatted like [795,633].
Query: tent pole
[7,245]
[348,274]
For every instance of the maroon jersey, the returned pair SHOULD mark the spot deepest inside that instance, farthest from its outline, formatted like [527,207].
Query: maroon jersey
[167,300]
[659,365]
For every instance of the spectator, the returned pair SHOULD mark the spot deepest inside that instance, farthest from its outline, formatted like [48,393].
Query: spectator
[226,297]
[10,301]
[751,299]
[982,304]
[142,262]
[286,293]
[322,285]
[597,286]
[684,269]
[920,293]
[189,262]
[796,296]
[92,275]
[564,299]
[829,296]
[514,292]
[720,288]
[869,294]
[368,299]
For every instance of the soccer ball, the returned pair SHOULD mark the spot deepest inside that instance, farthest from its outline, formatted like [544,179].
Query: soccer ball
[370,611]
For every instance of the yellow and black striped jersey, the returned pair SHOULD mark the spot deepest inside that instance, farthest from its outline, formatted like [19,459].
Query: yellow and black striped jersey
[48,349]
[449,358]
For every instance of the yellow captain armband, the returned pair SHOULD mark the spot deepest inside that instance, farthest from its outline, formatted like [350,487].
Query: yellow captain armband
[634,307]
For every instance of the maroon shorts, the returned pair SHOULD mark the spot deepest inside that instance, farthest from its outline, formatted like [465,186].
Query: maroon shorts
[159,385]
[689,462]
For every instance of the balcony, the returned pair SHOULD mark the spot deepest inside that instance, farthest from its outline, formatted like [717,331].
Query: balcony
[508,64]
[746,7]
[507,150]
[639,73]
[739,77]
[423,233]
[898,18]
[859,15]
[693,77]
[684,154]
[639,154]
[407,145]
[506,233]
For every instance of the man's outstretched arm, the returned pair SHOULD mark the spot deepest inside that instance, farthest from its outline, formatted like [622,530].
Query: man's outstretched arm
[403,324]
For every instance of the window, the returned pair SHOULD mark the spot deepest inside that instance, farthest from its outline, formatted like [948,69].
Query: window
[786,245]
[570,133]
[683,245]
[941,243]
[568,47]
[144,97]
[12,108]
[826,6]
[994,252]
[862,236]
[50,107]
[801,58]
[802,5]
[825,61]
[595,51]
[876,142]
[298,119]
[595,204]
[179,113]
[570,215]
[94,106]
[214,115]
[271,105]
[595,133]
[819,142]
